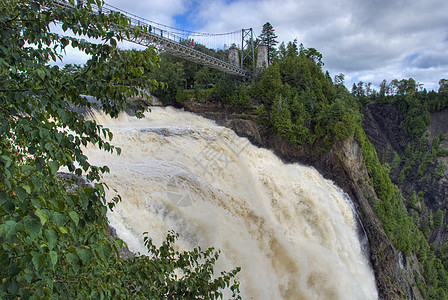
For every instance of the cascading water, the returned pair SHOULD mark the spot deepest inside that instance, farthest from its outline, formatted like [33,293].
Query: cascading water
[291,231]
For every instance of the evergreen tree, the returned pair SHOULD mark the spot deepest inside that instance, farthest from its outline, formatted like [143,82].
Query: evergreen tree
[268,37]
[270,85]
[438,218]
[443,85]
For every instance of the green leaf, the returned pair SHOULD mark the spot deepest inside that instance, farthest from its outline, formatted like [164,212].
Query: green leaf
[42,216]
[53,257]
[3,198]
[63,230]
[105,251]
[35,6]
[41,74]
[74,216]
[58,218]
[33,227]
[119,243]
[13,269]
[73,260]
[7,228]
[20,192]
[26,168]
[7,160]
[27,188]
[39,260]
[52,237]
[54,166]
[85,255]
[36,182]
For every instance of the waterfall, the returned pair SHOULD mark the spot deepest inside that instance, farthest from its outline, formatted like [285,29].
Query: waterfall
[292,232]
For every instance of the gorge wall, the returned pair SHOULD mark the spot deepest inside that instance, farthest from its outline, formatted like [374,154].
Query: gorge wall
[383,124]
[344,165]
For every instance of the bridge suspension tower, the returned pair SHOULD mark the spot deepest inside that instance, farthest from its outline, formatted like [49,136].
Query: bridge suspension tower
[247,46]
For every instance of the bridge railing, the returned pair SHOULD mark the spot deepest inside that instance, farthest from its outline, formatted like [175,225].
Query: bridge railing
[135,20]
[159,36]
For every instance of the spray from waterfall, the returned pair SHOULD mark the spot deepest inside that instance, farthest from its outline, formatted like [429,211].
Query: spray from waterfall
[292,232]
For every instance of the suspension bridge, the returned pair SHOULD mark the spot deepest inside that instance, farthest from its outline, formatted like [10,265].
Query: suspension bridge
[181,43]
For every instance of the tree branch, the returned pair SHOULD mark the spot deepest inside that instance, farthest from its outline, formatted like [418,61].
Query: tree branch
[13,19]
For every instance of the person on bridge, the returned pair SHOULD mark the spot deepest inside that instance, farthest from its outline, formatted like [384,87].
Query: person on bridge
[192,44]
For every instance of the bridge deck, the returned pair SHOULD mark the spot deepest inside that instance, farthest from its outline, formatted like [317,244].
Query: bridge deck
[168,41]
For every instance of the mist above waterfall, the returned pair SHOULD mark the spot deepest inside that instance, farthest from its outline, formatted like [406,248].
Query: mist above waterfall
[292,232]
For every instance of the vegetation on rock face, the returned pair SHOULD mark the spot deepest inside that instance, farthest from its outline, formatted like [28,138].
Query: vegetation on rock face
[53,237]
[417,170]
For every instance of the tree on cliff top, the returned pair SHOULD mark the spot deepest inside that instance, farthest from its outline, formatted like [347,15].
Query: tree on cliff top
[268,37]
[53,239]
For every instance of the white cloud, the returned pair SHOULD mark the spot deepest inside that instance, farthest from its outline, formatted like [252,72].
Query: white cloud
[161,11]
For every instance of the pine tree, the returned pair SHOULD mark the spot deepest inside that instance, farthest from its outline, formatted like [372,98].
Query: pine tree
[268,37]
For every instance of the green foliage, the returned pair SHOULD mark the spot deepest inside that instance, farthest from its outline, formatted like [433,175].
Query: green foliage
[440,171]
[230,90]
[154,276]
[403,232]
[303,103]
[438,218]
[414,201]
[268,37]
[396,161]
[416,122]
[270,85]
[420,158]
[171,73]
[53,234]
[203,77]
[408,92]
[444,254]
[281,118]
[182,77]
[200,95]
[181,95]
[242,99]
[390,208]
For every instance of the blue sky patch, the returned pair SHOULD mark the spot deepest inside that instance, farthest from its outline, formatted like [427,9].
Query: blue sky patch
[412,57]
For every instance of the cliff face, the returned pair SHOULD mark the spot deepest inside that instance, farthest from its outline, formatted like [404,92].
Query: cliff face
[383,124]
[344,165]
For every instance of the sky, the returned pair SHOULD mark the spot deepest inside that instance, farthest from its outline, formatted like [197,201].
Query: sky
[366,40]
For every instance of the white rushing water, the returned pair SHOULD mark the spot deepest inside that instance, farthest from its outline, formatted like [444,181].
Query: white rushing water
[291,231]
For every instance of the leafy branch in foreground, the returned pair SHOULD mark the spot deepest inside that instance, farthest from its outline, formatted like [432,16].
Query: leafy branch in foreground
[53,237]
